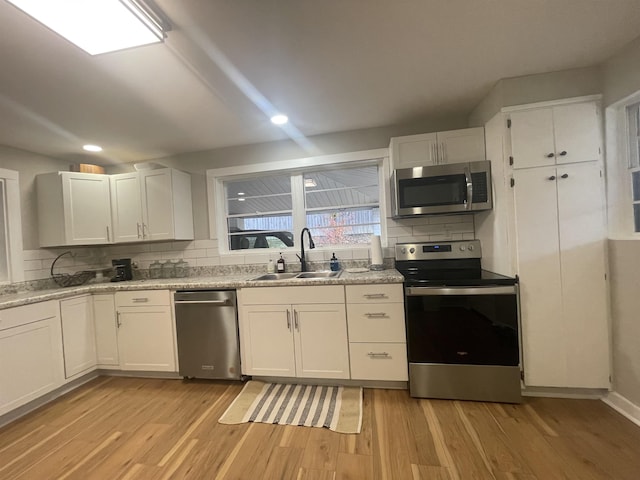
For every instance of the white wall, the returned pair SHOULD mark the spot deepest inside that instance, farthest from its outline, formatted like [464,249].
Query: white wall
[621,78]
[541,87]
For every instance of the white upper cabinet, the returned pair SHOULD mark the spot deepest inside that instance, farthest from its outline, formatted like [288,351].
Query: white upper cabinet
[555,135]
[152,205]
[454,146]
[73,209]
[126,207]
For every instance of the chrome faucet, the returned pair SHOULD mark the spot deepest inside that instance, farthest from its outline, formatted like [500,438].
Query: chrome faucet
[303,262]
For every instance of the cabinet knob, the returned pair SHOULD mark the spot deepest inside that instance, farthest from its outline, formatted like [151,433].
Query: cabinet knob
[551,155]
[564,175]
[563,153]
[552,177]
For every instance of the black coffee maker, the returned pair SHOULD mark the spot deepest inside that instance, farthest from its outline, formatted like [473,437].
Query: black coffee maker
[122,268]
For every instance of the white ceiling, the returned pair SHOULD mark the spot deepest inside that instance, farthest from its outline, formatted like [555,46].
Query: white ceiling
[331,65]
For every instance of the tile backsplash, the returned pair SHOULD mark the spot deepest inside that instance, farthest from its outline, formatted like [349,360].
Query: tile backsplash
[201,254]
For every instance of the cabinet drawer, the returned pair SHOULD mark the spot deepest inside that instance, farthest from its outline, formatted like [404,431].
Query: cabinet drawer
[383,322]
[378,361]
[378,293]
[16,316]
[141,298]
[291,295]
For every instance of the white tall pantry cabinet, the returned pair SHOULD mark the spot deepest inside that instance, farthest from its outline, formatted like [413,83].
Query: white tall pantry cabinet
[549,225]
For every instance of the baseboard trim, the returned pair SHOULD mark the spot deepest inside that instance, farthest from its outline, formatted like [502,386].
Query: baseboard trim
[29,407]
[557,392]
[623,406]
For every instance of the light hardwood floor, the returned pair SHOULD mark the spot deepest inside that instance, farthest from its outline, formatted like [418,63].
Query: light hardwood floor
[125,428]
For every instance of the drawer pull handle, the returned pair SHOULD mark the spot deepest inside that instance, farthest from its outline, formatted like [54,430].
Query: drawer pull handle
[375,295]
[378,354]
[376,315]
[140,300]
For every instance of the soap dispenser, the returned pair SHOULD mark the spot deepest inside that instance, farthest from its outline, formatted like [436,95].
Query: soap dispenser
[280,264]
[334,265]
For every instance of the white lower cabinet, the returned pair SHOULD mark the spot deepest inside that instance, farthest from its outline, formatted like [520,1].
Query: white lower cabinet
[78,335]
[104,316]
[306,339]
[31,357]
[146,337]
[377,338]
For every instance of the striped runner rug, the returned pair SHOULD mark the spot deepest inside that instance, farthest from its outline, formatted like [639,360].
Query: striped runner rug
[336,408]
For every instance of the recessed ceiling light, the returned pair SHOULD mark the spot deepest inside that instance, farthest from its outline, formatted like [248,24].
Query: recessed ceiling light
[279,119]
[96,26]
[241,199]
[92,148]
[240,193]
[310,182]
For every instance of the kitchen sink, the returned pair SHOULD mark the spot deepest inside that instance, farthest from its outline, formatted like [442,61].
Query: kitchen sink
[323,274]
[274,276]
[295,276]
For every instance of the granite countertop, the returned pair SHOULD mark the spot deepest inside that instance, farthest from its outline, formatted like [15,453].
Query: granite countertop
[209,282]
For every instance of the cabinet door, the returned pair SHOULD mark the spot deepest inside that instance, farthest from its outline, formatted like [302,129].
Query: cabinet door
[322,348]
[79,336]
[538,250]
[584,289]
[126,207]
[532,140]
[104,314]
[465,145]
[414,150]
[87,208]
[157,205]
[145,339]
[266,335]
[577,133]
[30,362]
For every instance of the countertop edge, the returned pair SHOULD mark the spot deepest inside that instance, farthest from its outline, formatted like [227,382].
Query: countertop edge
[196,283]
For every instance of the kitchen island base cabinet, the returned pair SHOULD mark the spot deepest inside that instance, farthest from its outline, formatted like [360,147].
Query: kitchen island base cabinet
[146,337]
[31,358]
[305,340]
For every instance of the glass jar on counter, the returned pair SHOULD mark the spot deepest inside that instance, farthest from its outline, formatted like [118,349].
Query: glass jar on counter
[168,269]
[182,269]
[155,270]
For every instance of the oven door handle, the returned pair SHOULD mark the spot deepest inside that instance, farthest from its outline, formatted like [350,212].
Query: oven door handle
[493,290]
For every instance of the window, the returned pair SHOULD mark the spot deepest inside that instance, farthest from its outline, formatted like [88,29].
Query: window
[4,244]
[633,134]
[340,205]
[11,268]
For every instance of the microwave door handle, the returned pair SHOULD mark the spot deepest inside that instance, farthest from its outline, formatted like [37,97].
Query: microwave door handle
[467,175]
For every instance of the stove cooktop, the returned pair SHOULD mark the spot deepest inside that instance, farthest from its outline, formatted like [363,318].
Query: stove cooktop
[482,278]
[451,263]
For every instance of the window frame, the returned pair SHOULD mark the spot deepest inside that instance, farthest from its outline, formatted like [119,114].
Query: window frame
[296,168]
[13,226]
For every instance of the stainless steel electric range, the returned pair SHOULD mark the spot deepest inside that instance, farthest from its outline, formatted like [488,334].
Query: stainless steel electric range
[462,324]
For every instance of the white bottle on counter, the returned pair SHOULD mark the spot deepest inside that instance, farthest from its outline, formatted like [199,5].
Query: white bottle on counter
[271,267]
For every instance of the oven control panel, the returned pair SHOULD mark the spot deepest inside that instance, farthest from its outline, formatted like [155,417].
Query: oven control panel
[438,250]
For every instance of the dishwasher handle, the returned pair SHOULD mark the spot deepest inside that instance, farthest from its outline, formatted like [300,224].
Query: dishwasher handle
[220,303]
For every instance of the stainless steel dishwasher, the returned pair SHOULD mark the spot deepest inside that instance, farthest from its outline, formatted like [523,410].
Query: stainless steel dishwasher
[207,331]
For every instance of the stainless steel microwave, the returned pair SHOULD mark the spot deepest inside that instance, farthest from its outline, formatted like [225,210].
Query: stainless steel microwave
[441,189]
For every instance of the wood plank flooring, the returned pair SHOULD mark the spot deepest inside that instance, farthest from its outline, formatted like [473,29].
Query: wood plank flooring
[125,428]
